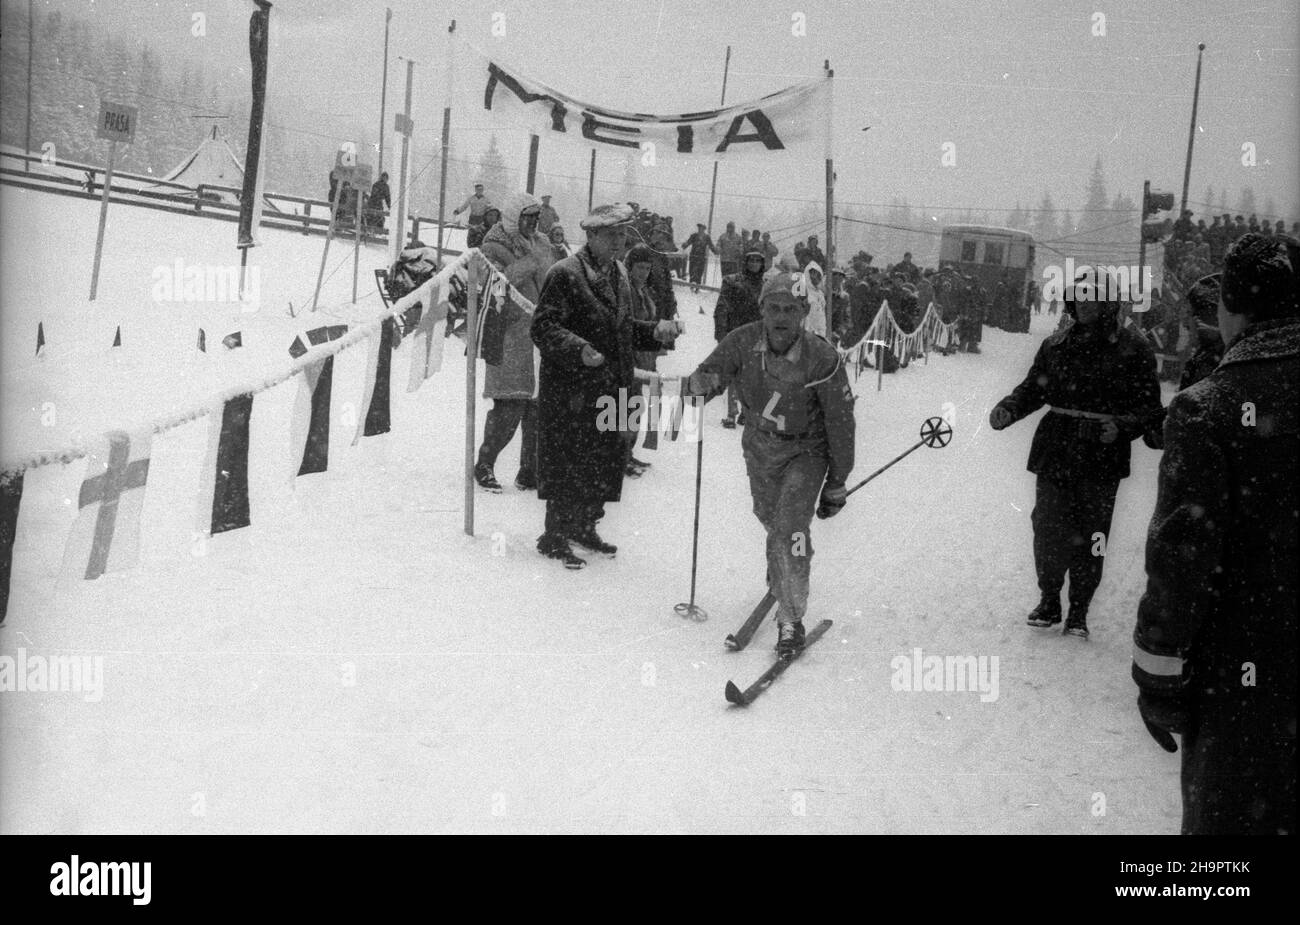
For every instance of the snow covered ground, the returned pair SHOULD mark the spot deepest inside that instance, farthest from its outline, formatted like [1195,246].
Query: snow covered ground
[354,662]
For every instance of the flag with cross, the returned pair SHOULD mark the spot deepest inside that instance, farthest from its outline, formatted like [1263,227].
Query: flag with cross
[106,534]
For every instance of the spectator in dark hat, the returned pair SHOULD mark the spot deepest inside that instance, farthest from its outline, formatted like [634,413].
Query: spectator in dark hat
[587,336]
[1214,652]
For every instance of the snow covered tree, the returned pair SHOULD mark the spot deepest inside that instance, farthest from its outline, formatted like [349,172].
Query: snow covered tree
[1094,210]
[1045,225]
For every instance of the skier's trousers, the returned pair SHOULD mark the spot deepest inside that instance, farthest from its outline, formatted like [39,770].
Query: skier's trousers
[1069,518]
[785,478]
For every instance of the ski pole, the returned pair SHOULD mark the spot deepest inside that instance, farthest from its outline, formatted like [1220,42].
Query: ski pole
[692,610]
[935,432]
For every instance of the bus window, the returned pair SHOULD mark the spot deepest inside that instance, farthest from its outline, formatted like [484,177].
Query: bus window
[993,253]
[967,251]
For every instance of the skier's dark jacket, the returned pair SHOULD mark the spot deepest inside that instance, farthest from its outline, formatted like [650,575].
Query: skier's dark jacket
[738,300]
[1216,629]
[1106,371]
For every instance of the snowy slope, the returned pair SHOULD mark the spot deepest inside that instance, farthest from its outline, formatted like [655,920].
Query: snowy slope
[354,663]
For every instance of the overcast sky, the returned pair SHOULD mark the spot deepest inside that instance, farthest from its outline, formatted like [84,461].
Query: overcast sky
[1024,90]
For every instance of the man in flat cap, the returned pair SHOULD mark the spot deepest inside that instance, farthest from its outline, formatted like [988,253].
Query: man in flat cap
[799,433]
[587,336]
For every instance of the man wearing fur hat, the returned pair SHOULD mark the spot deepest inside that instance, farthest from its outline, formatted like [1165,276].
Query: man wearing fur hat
[1214,653]
[799,434]
[1099,383]
[587,336]
[516,249]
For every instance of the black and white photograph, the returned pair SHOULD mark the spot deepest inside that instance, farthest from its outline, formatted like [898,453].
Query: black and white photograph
[675,417]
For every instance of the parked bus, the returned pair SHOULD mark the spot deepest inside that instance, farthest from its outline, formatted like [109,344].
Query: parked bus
[1002,261]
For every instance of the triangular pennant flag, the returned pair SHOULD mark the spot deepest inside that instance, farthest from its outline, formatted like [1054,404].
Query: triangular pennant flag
[106,534]
[11,493]
[321,335]
[117,338]
[375,401]
[311,417]
[223,496]
[40,337]
[233,340]
[203,341]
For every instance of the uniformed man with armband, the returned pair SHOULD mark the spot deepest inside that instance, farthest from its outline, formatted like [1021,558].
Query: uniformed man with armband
[799,433]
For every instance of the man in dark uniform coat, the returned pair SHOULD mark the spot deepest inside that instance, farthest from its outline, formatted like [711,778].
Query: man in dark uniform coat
[584,328]
[1214,652]
[1099,383]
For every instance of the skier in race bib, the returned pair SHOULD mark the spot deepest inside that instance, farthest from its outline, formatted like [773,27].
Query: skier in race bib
[799,433]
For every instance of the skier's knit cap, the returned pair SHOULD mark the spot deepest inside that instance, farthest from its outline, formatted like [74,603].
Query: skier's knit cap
[1261,276]
[607,216]
[784,287]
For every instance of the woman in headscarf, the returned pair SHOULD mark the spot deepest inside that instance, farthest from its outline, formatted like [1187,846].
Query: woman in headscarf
[513,246]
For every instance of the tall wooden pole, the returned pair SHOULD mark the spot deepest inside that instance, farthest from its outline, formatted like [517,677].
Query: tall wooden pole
[1142,241]
[27,139]
[531,184]
[713,188]
[830,190]
[329,235]
[471,375]
[446,139]
[103,219]
[1191,132]
[383,95]
[399,226]
[591,182]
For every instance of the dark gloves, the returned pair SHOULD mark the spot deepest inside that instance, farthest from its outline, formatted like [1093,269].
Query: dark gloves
[1000,418]
[833,499]
[1163,716]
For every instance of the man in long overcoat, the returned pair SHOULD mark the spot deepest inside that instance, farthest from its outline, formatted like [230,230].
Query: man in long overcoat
[587,336]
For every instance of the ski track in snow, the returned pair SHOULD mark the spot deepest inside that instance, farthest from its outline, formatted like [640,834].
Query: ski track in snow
[500,693]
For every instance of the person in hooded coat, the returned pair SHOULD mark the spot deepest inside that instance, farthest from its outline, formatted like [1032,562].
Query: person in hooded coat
[587,336]
[516,249]
[737,306]
[1214,648]
[1099,383]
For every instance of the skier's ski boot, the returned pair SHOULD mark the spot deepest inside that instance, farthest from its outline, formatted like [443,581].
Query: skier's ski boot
[589,538]
[525,480]
[557,547]
[486,478]
[1047,613]
[789,639]
[1077,622]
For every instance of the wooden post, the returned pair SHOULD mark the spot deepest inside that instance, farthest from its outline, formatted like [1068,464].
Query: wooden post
[399,225]
[713,188]
[356,243]
[1191,131]
[446,139]
[471,375]
[830,187]
[591,182]
[383,94]
[329,234]
[103,219]
[27,137]
[531,185]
